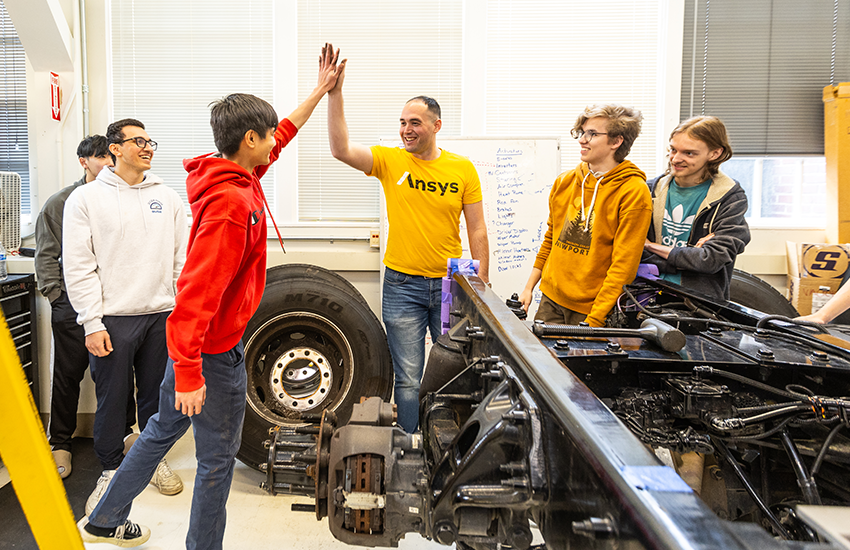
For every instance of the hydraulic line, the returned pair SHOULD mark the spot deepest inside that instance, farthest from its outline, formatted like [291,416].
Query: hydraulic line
[804,480]
[720,446]
[823,450]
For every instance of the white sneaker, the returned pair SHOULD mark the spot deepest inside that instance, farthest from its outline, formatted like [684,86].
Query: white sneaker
[166,480]
[100,488]
[127,535]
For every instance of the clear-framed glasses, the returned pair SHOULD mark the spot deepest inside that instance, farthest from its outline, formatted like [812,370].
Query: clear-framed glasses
[141,142]
[588,136]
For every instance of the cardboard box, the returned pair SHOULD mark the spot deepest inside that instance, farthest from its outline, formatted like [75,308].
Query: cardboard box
[809,294]
[815,272]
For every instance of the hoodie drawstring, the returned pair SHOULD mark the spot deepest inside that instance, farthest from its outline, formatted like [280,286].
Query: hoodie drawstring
[586,217]
[120,215]
[266,203]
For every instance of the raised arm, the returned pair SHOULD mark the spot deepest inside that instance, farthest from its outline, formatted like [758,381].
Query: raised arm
[356,155]
[479,245]
[329,71]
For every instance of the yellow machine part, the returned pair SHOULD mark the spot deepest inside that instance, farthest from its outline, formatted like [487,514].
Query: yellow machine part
[26,454]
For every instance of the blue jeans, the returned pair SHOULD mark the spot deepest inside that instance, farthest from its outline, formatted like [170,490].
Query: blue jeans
[410,304]
[218,432]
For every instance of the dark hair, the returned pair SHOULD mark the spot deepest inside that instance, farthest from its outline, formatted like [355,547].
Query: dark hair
[232,116]
[93,146]
[711,131]
[622,121]
[115,131]
[430,103]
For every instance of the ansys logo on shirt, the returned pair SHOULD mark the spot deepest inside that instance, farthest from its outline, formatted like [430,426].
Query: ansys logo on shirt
[155,206]
[674,226]
[430,186]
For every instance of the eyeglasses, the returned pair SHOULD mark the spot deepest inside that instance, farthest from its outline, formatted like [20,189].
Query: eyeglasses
[589,135]
[140,142]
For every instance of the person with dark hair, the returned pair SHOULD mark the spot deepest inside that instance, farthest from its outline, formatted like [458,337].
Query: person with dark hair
[426,190]
[70,356]
[600,212]
[218,292]
[124,246]
[698,226]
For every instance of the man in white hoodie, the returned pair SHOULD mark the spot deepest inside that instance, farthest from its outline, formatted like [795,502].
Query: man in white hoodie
[124,245]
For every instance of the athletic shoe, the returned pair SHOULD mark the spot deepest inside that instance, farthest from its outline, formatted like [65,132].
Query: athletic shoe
[63,462]
[166,480]
[126,536]
[99,489]
[128,442]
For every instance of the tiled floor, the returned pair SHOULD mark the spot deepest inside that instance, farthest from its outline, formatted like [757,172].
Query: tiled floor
[255,519]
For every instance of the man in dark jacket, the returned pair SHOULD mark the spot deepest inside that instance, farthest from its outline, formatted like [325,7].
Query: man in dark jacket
[71,358]
[698,226]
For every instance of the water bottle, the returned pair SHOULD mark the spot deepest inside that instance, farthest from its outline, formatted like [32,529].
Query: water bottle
[3,271]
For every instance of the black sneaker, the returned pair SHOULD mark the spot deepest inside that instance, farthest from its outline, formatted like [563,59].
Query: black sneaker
[125,536]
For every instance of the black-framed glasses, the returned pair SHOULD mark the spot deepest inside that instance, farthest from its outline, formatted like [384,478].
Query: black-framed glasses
[588,136]
[141,142]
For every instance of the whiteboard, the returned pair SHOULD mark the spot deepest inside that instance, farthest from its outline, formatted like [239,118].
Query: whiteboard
[516,177]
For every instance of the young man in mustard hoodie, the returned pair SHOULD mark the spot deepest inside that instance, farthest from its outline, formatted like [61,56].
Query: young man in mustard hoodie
[599,213]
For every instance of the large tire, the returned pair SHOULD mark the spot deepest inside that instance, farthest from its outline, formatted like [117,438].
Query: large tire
[313,344]
[752,292]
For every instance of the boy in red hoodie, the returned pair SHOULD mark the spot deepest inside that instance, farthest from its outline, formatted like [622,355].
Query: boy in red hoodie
[217,293]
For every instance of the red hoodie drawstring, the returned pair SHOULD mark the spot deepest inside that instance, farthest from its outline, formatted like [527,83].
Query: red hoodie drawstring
[266,203]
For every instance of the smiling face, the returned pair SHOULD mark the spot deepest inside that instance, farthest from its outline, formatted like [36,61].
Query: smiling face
[418,130]
[264,147]
[598,152]
[128,155]
[688,159]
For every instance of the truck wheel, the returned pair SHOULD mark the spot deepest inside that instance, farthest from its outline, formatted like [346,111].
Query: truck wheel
[752,292]
[313,344]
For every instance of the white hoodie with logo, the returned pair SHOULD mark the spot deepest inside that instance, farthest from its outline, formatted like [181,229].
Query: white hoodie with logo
[123,248]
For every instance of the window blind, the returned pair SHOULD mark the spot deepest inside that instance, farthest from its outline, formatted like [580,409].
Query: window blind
[761,67]
[14,140]
[396,51]
[549,59]
[171,59]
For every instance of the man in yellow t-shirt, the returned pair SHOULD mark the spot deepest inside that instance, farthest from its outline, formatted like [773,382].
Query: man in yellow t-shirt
[426,190]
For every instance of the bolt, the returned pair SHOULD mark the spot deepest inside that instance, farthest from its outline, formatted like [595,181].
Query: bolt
[765,353]
[818,355]
[562,344]
[445,533]
[264,467]
[716,473]
[614,347]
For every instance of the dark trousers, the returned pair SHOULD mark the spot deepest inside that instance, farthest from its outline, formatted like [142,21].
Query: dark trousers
[138,347]
[70,361]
